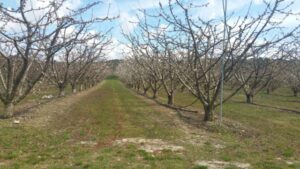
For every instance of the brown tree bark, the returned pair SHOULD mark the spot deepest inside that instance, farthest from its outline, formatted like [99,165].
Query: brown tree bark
[170,99]
[208,113]
[295,92]
[61,92]
[249,98]
[154,96]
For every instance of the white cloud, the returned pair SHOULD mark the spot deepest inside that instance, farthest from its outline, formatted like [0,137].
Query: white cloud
[36,4]
[128,22]
[142,4]
[215,7]
[39,11]
[69,5]
[258,2]
[127,11]
[118,51]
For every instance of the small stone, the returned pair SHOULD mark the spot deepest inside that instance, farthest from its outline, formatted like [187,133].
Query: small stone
[16,121]
[219,146]
[88,143]
[47,97]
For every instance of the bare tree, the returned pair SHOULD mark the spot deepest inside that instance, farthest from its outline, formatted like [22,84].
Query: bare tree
[75,58]
[130,74]
[143,56]
[89,54]
[134,74]
[167,67]
[60,65]
[292,71]
[152,50]
[96,72]
[200,46]
[34,39]
[293,77]
[275,83]
[258,72]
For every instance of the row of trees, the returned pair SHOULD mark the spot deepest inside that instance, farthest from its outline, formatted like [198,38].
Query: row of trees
[80,63]
[169,50]
[48,40]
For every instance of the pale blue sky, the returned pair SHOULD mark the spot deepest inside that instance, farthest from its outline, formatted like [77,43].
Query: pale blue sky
[127,10]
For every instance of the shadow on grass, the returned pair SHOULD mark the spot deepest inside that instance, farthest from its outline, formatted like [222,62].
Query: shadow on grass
[26,110]
[268,106]
[280,95]
[278,108]
[169,106]
[191,117]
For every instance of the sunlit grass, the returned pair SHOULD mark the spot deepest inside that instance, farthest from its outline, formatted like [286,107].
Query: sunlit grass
[114,112]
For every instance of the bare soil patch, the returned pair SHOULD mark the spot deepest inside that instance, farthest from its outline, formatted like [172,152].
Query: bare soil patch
[215,164]
[150,145]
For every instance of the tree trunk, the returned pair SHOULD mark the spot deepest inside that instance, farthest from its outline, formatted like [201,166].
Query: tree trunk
[61,92]
[154,94]
[208,113]
[295,92]
[74,88]
[145,91]
[138,88]
[182,89]
[268,91]
[170,99]
[8,110]
[249,98]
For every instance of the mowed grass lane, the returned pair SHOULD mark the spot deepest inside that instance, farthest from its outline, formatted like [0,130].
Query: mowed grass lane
[83,137]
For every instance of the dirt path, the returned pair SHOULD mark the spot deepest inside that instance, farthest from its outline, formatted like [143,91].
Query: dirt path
[40,116]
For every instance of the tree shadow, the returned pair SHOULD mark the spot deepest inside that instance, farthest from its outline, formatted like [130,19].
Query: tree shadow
[280,95]
[268,106]
[177,108]
[188,116]
[27,109]
[277,108]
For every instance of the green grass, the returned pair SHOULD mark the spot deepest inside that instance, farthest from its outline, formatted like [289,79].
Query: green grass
[108,114]
[114,112]
[271,133]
